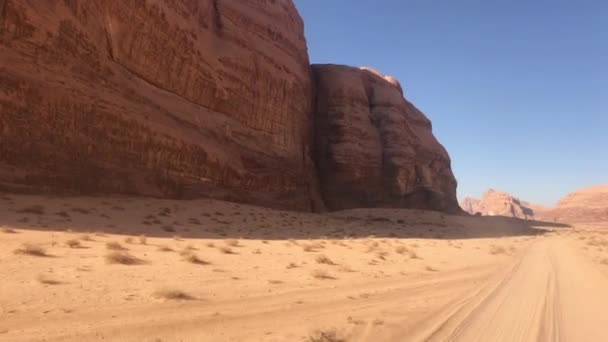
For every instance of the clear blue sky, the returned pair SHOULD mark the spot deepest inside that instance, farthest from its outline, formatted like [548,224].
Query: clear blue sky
[517,90]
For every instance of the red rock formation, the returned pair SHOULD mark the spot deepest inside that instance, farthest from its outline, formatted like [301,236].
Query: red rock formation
[175,98]
[497,203]
[202,98]
[584,205]
[373,147]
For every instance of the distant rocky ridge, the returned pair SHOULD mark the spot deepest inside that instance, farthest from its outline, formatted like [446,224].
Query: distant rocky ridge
[584,205]
[497,203]
[206,98]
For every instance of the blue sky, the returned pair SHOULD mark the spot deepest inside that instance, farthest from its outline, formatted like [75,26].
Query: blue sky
[517,90]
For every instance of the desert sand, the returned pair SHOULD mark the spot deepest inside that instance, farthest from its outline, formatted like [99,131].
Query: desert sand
[138,269]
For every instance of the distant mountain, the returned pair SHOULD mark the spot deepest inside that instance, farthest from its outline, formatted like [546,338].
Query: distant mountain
[498,203]
[584,205]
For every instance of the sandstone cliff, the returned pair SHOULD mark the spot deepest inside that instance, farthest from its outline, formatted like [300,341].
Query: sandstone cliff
[584,205]
[373,147]
[203,98]
[173,98]
[497,203]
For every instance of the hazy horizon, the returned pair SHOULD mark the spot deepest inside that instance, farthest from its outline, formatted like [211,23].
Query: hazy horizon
[516,92]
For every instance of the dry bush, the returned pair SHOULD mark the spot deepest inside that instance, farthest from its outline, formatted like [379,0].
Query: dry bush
[322,274]
[128,239]
[323,259]
[495,249]
[291,265]
[226,250]
[32,209]
[143,240]
[401,250]
[172,294]
[312,247]
[232,242]
[73,243]
[165,248]
[31,249]
[431,269]
[210,245]
[8,230]
[381,255]
[43,279]
[327,335]
[275,282]
[122,258]
[346,269]
[193,258]
[86,237]
[115,246]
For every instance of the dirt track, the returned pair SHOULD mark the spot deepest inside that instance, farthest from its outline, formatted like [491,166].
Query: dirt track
[549,294]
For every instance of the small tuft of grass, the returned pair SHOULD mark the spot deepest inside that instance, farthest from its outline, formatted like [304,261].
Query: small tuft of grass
[143,240]
[401,250]
[232,242]
[122,258]
[73,243]
[327,335]
[46,280]
[413,254]
[322,274]
[226,250]
[346,269]
[31,249]
[495,249]
[129,240]
[165,248]
[115,246]
[192,258]
[323,259]
[86,237]
[8,230]
[172,294]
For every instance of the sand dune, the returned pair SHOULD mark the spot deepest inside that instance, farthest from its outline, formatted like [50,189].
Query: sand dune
[81,269]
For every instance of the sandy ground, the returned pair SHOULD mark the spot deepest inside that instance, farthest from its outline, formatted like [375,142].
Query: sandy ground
[214,271]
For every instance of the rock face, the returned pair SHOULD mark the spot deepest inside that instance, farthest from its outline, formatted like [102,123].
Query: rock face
[176,98]
[497,203]
[584,205]
[203,98]
[373,147]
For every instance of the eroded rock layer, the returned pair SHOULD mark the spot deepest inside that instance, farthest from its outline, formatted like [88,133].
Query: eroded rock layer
[174,98]
[203,98]
[373,147]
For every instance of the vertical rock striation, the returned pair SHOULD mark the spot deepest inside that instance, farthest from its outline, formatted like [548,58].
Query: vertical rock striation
[373,147]
[203,98]
[175,98]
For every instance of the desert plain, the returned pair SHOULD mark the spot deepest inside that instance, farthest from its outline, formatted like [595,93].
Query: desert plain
[143,269]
